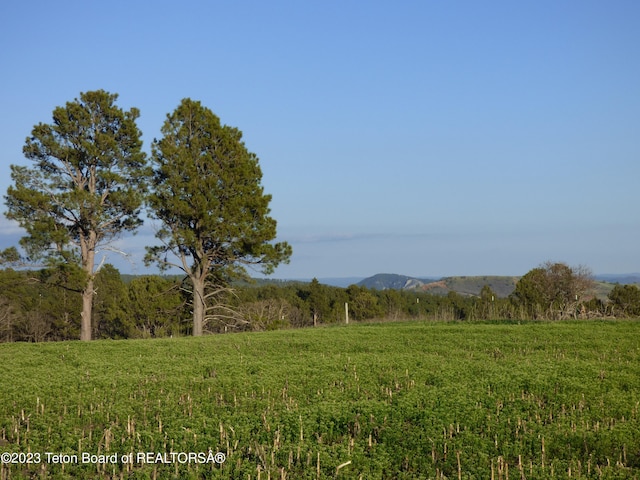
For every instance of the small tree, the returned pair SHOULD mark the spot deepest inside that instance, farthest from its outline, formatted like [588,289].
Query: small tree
[487,303]
[85,188]
[625,299]
[363,303]
[156,307]
[553,290]
[111,317]
[318,301]
[214,213]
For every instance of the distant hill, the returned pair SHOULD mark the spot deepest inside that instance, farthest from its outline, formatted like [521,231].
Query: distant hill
[392,281]
[623,279]
[502,286]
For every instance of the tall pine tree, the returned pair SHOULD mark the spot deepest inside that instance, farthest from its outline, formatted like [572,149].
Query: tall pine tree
[85,187]
[215,215]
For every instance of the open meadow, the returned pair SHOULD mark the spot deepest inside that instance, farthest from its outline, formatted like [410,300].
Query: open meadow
[399,400]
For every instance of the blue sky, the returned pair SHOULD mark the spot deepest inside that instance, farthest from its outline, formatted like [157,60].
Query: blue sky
[425,138]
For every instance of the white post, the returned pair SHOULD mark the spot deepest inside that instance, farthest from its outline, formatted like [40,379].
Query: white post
[346,313]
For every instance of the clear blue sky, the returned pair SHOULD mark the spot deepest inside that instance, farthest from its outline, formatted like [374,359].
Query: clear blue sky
[416,137]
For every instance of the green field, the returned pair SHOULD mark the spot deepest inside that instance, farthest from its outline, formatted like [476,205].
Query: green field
[391,400]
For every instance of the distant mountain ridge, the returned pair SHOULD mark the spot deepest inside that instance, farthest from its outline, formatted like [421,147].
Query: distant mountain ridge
[623,279]
[392,281]
[463,285]
[502,286]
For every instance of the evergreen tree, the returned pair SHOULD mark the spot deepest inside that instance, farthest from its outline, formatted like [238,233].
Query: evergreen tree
[318,301]
[215,214]
[625,300]
[156,307]
[111,318]
[85,187]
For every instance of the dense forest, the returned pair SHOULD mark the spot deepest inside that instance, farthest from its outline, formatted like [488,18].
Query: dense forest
[44,305]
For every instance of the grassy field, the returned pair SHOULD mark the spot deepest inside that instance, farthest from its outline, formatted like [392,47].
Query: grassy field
[394,400]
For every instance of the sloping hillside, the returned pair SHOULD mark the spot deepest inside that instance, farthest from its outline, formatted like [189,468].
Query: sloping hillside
[392,281]
[502,286]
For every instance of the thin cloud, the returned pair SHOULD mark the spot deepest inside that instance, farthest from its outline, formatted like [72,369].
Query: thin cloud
[331,237]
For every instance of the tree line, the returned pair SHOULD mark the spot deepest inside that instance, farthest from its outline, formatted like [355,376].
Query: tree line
[44,305]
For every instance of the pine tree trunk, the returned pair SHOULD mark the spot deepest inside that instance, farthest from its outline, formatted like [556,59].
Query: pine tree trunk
[198,306]
[87,306]
[88,252]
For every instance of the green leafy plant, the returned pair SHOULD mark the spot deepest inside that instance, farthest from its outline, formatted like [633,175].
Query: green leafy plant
[396,400]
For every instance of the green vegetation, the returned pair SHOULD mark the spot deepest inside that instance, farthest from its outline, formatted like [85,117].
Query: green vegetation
[626,299]
[553,290]
[215,215]
[44,306]
[86,186]
[394,400]
[89,180]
